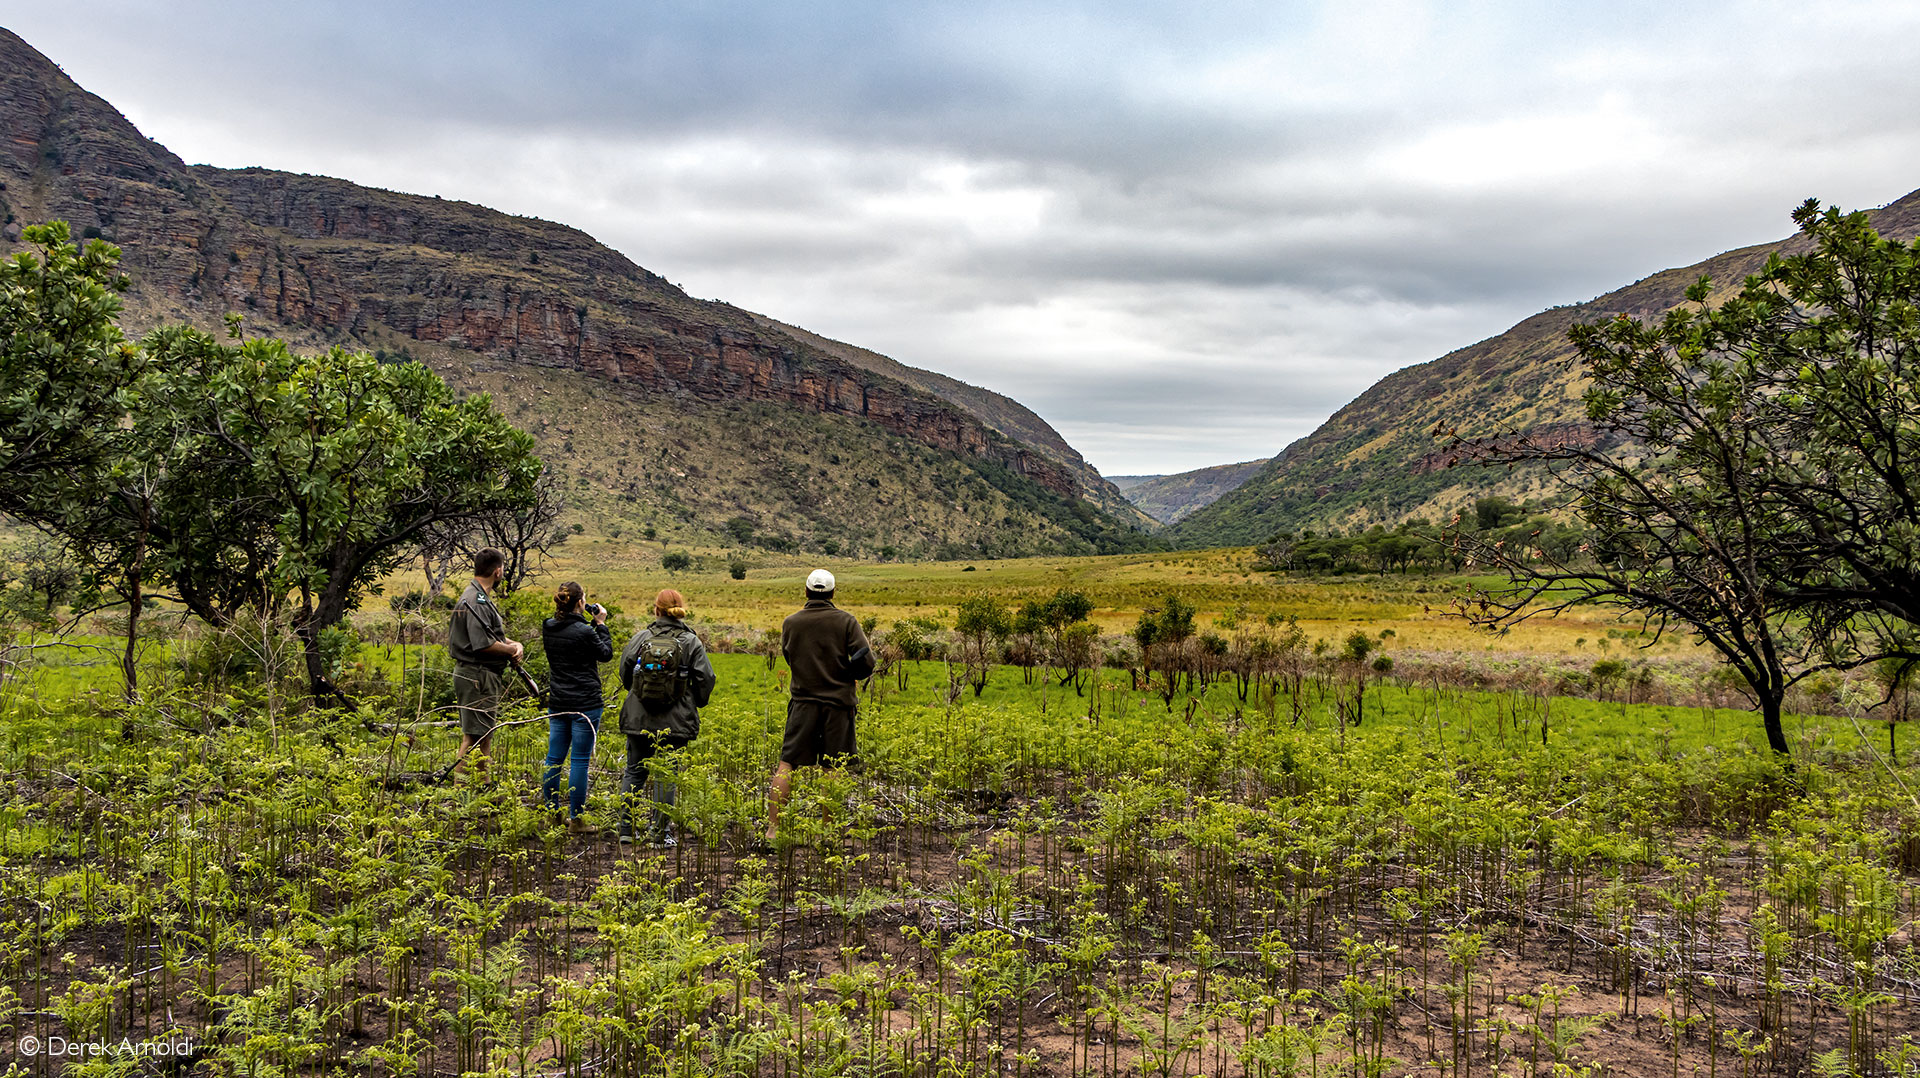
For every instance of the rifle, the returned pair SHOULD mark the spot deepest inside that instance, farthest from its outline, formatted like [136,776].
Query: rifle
[527,680]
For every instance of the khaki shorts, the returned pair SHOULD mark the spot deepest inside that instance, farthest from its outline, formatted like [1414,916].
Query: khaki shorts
[817,734]
[477,689]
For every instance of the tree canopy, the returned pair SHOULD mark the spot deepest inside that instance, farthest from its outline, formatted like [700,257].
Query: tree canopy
[244,476]
[65,372]
[1759,484]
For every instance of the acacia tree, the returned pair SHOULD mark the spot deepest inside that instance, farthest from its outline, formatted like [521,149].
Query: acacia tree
[982,623]
[1761,488]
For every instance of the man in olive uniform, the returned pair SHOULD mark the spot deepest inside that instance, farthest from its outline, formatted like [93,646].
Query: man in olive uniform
[827,654]
[477,641]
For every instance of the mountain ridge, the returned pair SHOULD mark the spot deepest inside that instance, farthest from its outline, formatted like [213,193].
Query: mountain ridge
[1375,461]
[322,261]
[1170,499]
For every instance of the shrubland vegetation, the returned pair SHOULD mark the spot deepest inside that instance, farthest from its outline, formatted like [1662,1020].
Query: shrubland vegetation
[1240,813]
[1267,859]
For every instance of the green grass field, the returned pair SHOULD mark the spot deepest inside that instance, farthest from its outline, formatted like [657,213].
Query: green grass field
[1218,582]
[1402,876]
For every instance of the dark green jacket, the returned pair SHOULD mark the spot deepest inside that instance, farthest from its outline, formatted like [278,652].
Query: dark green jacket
[682,718]
[476,623]
[827,653]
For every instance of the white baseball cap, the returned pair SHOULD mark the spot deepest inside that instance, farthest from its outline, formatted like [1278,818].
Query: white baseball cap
[819,580]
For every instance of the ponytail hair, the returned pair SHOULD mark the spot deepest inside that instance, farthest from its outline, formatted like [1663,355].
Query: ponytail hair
[670,603]
[567,599]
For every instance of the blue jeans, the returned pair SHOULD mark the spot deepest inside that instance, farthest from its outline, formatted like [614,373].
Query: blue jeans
[575,731]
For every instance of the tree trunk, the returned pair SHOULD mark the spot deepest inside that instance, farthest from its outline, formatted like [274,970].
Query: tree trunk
[1770,716]
[311,622]
[135,602]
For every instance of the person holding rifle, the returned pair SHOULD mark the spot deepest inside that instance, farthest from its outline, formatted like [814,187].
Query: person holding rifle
[477,642]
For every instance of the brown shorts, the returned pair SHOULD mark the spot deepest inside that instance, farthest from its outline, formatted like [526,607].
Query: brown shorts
[477,689]
[817,733]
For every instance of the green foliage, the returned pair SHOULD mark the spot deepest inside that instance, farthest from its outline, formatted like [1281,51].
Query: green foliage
[674,561]
[1358,646]
[65,374]
[1761,500]
[240,474]
[983,618]
[1228,879]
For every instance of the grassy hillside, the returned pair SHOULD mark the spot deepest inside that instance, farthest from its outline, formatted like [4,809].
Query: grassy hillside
[1376,460]
[783,480]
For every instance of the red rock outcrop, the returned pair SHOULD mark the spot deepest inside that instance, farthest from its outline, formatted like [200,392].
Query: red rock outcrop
[356,264]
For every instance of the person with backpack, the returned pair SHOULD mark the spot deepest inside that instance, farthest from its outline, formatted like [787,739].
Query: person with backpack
[668,679]
[575,649]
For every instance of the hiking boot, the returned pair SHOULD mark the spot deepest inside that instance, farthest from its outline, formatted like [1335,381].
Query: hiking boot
[662,839]
[577,826]
[626,835]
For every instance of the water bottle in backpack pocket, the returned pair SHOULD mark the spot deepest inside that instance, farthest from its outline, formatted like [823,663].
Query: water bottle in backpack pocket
[658,675]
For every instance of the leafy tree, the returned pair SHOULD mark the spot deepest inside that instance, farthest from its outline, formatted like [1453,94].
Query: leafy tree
[1061,614]
[287,479]
[676,560]
[1162,632]
[65,373]
[1764,492]
[982,623]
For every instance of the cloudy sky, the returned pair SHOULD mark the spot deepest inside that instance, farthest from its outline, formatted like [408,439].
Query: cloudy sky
[1183,233]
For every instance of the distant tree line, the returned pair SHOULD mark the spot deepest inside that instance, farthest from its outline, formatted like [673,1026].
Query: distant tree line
[1495,521]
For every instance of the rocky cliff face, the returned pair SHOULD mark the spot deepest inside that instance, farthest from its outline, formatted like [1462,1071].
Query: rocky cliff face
[323,259]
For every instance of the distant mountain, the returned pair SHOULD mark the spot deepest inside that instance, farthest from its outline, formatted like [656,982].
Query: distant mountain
[1172,498]
[478,294]
[1376,461]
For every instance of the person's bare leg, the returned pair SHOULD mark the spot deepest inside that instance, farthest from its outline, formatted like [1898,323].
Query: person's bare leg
[476,752]
[777,796]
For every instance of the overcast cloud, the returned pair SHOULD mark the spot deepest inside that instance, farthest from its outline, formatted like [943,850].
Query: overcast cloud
[1184,234]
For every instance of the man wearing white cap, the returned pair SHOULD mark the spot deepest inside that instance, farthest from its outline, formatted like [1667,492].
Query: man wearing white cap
[827,655]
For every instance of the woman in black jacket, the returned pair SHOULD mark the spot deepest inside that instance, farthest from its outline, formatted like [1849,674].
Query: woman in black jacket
[575,650]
